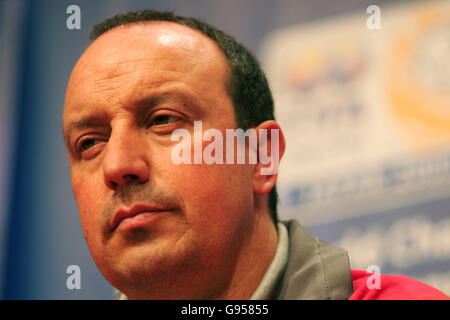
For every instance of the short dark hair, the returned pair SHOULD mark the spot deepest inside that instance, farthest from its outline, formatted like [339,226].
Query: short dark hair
[248,86]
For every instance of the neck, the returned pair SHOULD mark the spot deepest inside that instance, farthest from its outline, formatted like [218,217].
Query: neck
[254,259]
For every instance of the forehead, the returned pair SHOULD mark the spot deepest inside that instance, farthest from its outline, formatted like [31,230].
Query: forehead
[136,57]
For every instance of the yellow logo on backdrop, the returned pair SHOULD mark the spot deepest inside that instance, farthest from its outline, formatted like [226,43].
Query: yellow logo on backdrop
[417,79]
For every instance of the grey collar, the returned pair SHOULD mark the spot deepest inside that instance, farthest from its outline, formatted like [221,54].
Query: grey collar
[315,270]
[276,268]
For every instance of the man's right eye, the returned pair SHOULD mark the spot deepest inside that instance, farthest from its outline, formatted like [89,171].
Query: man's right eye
[164,119]
[88,143]
[88,148]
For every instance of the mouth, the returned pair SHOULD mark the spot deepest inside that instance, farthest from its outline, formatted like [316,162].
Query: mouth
[137,216]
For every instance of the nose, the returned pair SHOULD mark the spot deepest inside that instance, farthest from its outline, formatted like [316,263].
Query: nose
[125,159]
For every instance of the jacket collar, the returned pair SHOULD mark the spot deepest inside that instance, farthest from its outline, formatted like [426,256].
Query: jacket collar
[315,269]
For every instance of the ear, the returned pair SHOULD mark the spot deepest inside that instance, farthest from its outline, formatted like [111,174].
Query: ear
[271,146]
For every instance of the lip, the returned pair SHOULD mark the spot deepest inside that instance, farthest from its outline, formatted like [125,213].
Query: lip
[137,216]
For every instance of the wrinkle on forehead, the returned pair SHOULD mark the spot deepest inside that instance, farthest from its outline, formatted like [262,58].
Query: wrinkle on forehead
[141,41]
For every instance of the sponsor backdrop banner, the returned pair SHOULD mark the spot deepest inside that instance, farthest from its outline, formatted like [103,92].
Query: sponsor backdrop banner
[366,114]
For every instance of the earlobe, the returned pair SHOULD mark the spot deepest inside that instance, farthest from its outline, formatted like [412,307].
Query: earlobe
[263,184]
[271,146]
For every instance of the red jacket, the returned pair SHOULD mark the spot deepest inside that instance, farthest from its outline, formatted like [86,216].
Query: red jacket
[392,288]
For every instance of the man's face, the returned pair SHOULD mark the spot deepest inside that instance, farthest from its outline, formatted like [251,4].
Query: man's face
[129,91]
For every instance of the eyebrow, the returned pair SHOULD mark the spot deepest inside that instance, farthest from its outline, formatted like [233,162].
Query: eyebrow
[91,121]
[87,122]
[146,103]
[96,120]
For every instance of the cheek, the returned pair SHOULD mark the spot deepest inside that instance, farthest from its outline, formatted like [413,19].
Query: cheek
[207,186]
[87,195]
[220,192]
[219,203]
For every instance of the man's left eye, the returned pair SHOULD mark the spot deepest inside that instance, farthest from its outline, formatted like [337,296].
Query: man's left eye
[164,119]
